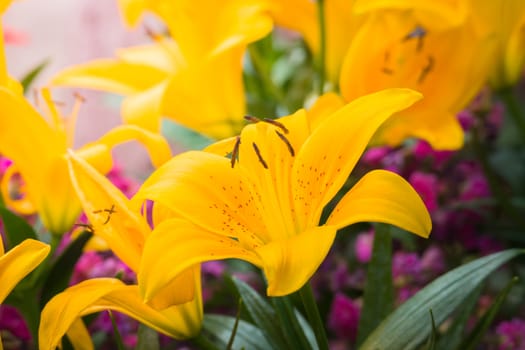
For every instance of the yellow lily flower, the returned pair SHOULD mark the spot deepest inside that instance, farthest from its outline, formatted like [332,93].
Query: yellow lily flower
[194,79]
[505,20]
[18,263]
[264,204]
[6,80]
[37,148]
[343,19]
[394,49]
[176,312]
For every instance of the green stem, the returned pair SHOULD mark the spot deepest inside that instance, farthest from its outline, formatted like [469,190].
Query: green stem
[265,76]
[31,312]
[293,331]
[322,44]
[312,312]
[514,110]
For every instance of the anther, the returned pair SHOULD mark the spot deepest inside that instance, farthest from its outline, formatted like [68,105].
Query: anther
[235,151]
[256,149]
[87,227]
[79,97]
[418,33]
[110,211]
[427,69]
[274,122]
[286,142]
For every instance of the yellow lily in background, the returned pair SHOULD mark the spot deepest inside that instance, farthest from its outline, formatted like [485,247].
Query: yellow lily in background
[194,77]
[395,49]
[18,263]
[505,20]
[5,80]
[37,147]
[344,17]
[177,312]
[264,204]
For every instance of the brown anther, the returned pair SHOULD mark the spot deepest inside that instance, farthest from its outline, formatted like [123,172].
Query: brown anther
[274,122]
[418,33]
[235,151]
[79,97]
[286,142]
[277,124]
[151,33]
[110,211]
[59,103]
[87,227]
[387,71]
[427,69]
[252,119]
[256,149]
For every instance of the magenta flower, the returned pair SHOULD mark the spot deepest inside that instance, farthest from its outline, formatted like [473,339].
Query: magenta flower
[343,319]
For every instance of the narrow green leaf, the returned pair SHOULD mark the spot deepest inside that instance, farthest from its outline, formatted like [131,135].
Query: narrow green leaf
[248,336]
[60,273]
[262,313]
[16,228]
[379,290]
[28,79]
[291,327]
[431,345]
[472,341]
[116,332]
[147,338]
[408,325]
[452,337]
[235,325]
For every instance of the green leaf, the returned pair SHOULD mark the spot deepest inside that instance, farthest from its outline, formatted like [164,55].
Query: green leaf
[408,325]
[60,273]
[431,344]
[16,228]
[248,336]
[262,313]
[452,338]
[28,79]
[116,332]
[292,329]
[379,290]
[147,339]
[483,324]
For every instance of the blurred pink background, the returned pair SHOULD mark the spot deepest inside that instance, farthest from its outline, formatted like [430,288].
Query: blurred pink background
[70,32]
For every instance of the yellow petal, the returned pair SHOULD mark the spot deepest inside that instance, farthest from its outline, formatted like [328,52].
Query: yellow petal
[204,189]
[289,264]
[221,113]
[108,211]
[132,10]
[222,147]
[382,196]
[79,336]
[19,262]
[323,107]
[441,129]
[110,75]
[156,145]
[106,293]
[145,108]
[330,153]
[189,246]
[436,13]
[21,205]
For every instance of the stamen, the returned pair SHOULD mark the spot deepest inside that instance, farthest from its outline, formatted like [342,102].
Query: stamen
[286,142]
[418,33]
[277,124]
[387,71]
[87,227]
[109,211]
[235,151]
[427,69]
[155,36]
[274,122]
[256,149]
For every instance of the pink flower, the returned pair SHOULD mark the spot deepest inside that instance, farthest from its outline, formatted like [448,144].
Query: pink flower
[343,318]
[363,246]
[511,335]
[426,185]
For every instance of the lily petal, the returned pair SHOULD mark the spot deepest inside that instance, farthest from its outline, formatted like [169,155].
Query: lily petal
[109,212]
[322,167]
[19,262]
[110,75]
[156,145]
[382,196]
[188,246]
[107,293]
[145,108]
[79,336]
[287,267]
[204,189]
